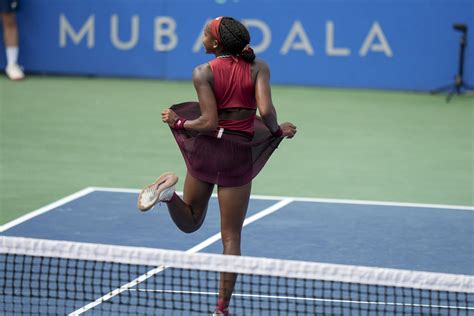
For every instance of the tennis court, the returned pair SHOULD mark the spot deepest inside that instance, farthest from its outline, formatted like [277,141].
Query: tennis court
[410,151]
[362,233]
[369,210]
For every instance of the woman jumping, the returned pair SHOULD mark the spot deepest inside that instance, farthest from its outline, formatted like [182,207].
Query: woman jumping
[222,140]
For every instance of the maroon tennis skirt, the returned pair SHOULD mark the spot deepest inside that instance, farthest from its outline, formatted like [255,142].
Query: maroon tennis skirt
[231,160]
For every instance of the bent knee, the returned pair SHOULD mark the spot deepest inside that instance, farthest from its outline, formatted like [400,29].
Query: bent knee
[189,229]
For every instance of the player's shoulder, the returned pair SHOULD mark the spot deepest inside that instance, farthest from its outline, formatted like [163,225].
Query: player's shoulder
[202,71]
[260,65]
[202,68]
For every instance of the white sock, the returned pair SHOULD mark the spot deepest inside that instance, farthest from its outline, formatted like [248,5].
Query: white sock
[12,55]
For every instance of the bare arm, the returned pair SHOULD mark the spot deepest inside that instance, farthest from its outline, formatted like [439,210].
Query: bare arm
[264,97]
[207,102]
[265,105]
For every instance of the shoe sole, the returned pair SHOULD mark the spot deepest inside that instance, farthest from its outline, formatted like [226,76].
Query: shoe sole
[15,79]
[164,182]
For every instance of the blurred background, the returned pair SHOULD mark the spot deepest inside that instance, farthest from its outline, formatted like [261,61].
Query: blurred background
[354,75]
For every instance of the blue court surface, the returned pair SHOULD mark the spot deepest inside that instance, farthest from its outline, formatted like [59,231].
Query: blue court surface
[433,238]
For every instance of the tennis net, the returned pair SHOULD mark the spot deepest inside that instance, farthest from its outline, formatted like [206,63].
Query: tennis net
[60,278]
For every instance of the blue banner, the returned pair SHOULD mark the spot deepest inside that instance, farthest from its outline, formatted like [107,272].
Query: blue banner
[386,44]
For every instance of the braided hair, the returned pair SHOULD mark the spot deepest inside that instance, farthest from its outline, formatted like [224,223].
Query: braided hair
[235,39]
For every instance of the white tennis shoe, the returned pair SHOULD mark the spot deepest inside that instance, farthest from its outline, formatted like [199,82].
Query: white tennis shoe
[161,190]
[14,72]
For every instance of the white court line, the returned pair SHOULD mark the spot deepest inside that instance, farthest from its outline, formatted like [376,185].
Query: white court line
[255,197]
[309,299]
[275,207]
[322,200]
[45,209]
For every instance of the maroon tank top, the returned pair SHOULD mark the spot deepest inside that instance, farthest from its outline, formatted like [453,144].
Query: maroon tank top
[233,88]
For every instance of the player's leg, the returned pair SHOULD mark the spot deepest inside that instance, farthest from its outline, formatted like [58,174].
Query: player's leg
[233,203]
[10,38]
[189,212]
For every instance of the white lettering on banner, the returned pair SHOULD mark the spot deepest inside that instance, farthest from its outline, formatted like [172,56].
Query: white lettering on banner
[297,30]
[166,39]
[383,46]
[165,32]
[114,37]
[330,49]
[266,34]
[65,29]
[198,42]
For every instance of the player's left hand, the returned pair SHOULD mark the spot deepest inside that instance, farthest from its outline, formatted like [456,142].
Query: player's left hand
[169,116]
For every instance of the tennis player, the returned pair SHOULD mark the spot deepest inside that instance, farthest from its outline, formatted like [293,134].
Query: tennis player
[222,140]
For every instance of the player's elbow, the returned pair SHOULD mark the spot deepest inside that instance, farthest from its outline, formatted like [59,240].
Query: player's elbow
[267,115]
[266,110]
[209,124]
[209,128]
[212,126]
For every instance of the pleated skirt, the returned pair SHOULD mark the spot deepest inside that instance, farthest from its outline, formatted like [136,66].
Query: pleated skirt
[228,158]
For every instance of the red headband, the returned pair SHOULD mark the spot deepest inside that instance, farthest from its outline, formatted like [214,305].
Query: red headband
[214,27]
